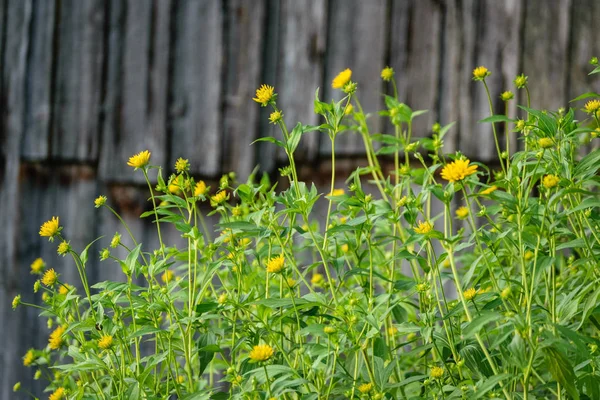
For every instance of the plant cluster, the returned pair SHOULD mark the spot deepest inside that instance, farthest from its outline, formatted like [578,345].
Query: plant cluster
[496,296]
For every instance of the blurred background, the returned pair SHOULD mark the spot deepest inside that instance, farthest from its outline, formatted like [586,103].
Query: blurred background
[84,84]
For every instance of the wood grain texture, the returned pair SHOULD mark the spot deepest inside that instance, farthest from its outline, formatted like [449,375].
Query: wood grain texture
[196,86]
[136,87]
[78,79]
[358,44]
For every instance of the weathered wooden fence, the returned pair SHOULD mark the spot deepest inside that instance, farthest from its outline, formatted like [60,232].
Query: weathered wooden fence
[86,83]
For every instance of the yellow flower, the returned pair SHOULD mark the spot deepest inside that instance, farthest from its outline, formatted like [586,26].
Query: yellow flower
[470,294]
[63,248]
[349,109]
[218,198]
[64,289]
[458,170]
[50,277]
[275,117]
[592,106]
[521,81]
[424,227]
[58,394]
[55,340]
[508,95]
[167,276]
[550,181]
[337,192]
[480,73]
[116,240]
[37,266]
[182,165]
[506,292]
[330,330]
[387,74]
[16,301]
[200,189]
[365,387]
[345,248]
[545,142]
[528,255]
[50,228]
[36,286]
[100,201]
[462,212]
[520,125]
[236,211]
[275,264]
[261,352]
[489,190]
[105,342]
[264,95]
[436,372]
[341,79]
[222,298]
[139,160]
[180,379]
[317,279]
[17,387]
[104,254]
[291,282]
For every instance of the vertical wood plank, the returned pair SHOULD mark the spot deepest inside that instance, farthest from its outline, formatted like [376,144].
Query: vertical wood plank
[356,40]
[78,80]
[19,16]
[136,88]
[196,86]
[242,67]
[415,56]
[38,85]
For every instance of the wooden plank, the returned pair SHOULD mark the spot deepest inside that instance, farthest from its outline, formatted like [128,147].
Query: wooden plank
[13,67]
[546,34]
[38,85]
[196,86]
[415,56]
[245,30]
[78,80]
[136,88]
[358,44]
[478,33]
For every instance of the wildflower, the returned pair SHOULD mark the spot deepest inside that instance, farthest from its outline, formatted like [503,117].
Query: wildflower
[508,95]
[365,387]
[545,142]
[167,276]
[58,394]
[50,278]
[16,301]
[139,160]
[520,125]
[105,342]
[480,73]
[489,190]
[317,279]
[470,294]
[387,74]
[506,292]
[462,212]
[436,372]
[55,340]
[341,79]
[330,330]
[116,240]
[45,298]
[100,201]
[236,211]
[261,352]
[336,192]
[28,358]
[50,228]
[592,106]
[349,109]
[37,375]
[218,198]
[550,181]
[422,287]
[36,286]
[180,379]
[264,95]
[182,165]
[345,248]
[17,387]
[458,170]
[104,254]
[200,189]
[275,117]
[392,330]
[37,266]
[222,298]
[64,289]
[275,264]
[424,228]
[63,248]
[521,81]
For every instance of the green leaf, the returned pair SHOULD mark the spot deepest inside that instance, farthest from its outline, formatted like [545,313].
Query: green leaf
[561,370]
[132,257]
[84,254]
[205,307]
[496,118]
[205,353]
[585,96]
[479,322]
[271,140]
[489,384]
[475,360]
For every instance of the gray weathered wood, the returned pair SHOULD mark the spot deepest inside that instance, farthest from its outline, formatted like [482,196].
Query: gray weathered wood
[136,87]
[196,86]
[242,67]
[78,80]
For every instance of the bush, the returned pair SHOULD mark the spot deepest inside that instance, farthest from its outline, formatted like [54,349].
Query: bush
[382,299]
